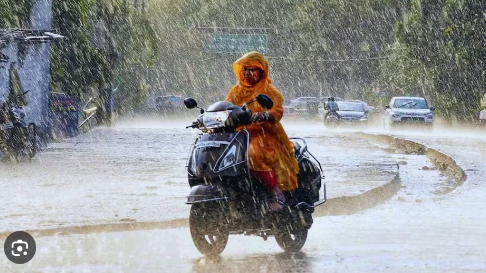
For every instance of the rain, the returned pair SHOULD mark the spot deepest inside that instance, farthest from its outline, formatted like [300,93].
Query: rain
[121,149]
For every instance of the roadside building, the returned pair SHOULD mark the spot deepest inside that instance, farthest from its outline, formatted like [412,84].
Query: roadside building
[25,63]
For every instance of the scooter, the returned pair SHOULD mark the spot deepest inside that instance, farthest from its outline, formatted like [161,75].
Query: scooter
[18,137]
[226,199]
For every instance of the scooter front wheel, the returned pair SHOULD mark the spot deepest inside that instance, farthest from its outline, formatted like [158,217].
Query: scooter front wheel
[293,240]
[208,229]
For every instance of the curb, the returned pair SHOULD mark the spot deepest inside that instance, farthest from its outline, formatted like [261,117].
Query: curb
[441,161]
[112,227]
[353,204]
[346,205]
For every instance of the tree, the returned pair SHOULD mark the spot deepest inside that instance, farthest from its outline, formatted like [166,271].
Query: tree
[105,41]
[15,13]
[447,36]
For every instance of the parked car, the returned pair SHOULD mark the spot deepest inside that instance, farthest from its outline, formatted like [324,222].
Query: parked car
[168,104]
[408,110]
[309,105]
[290,113]
[301,102]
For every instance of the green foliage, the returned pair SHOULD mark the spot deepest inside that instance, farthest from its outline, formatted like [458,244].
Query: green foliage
[337,30]
[76,64]
[431,48]
[137,47]
[448,37]
[105,41]
[402,75]
[303,37]
[15,13]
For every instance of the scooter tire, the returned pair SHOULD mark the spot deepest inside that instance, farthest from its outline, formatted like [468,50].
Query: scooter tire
[208,229]
[292,240]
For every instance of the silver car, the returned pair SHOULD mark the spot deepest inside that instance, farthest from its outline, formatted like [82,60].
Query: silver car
[408,110]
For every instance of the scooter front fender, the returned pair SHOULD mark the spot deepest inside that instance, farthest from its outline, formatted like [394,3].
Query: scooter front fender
[203,193]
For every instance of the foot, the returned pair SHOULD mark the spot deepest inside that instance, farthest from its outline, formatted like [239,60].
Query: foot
[279,200]
[275,206]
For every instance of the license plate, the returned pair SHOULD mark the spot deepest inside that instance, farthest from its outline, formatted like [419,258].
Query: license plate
[206,144]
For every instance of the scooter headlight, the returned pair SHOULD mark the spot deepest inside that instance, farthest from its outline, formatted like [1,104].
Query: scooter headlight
[215,119]
[228,160]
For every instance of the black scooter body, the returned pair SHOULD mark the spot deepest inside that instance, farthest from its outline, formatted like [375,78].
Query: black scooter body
[226,199]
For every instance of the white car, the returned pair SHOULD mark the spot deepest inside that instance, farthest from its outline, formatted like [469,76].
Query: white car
[408,110]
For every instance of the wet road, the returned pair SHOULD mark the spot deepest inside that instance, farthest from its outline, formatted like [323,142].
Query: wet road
[134,173]
[415,231]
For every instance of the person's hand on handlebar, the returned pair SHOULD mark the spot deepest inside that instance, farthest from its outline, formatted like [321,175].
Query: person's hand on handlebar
[261,116]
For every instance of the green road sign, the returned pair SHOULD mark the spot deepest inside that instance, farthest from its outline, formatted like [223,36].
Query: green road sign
[237,43]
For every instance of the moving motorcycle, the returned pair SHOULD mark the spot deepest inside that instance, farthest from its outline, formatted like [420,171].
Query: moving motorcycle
[332,119]
[225,199]
[18,139]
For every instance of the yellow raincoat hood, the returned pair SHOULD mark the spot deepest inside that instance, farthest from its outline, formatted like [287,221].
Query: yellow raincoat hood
[270,147]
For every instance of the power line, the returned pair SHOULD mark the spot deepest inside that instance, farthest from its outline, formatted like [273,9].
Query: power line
[328,60]
[236,28]
[304,60]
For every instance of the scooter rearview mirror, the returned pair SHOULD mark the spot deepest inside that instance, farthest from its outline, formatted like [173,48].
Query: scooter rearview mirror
[265,101]
[190,103]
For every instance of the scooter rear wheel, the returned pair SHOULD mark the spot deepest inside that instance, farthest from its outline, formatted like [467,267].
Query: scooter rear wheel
[293,240]
[208,229]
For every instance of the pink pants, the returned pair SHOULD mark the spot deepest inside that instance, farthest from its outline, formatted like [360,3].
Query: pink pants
[266,178]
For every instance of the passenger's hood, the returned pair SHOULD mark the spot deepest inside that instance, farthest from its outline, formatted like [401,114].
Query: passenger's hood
[350,114]
[411,112]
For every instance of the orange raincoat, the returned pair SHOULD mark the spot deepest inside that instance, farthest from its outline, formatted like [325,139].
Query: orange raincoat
[270,147]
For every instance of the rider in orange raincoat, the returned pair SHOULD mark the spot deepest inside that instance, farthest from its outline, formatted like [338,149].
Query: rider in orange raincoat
[272,158]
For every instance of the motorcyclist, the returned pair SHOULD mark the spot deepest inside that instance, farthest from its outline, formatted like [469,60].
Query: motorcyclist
[272,159]
[331,107]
